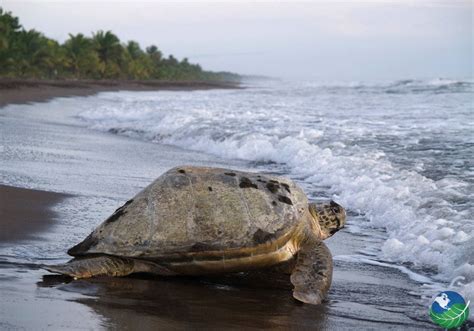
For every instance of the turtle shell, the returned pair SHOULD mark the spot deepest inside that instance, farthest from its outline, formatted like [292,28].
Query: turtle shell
[198,209]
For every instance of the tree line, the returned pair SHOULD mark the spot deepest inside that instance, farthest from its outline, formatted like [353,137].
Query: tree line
[30,54]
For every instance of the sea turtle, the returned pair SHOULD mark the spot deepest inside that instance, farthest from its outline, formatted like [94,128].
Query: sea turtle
[203,221]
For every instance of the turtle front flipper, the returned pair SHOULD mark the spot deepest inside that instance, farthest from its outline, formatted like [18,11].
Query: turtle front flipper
[312,274]
[106,265]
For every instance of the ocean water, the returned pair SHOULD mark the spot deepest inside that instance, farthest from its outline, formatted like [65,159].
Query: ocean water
[398,155]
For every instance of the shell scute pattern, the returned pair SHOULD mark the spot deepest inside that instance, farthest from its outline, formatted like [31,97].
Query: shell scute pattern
[195,209]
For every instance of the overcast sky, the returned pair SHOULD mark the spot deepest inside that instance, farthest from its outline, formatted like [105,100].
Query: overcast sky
[329,40]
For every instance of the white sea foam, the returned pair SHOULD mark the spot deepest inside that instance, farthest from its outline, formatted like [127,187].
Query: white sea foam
[402,161]
[412,275]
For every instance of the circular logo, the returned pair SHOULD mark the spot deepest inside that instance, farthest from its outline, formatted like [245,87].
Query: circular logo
[449,310]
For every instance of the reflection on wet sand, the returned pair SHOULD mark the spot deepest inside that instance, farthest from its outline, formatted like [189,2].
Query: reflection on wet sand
[193,303]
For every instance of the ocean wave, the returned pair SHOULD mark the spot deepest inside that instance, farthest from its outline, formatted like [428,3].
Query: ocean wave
[404,86]
[438,85]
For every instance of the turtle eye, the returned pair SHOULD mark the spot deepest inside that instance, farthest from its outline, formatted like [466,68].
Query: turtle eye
[334,207]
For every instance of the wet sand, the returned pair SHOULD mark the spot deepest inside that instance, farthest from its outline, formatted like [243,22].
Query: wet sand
[25,213]
[17,91]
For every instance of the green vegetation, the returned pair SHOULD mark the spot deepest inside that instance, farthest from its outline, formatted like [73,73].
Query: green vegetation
[29,54]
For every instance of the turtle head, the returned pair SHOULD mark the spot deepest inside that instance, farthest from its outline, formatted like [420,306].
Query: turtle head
[330,216]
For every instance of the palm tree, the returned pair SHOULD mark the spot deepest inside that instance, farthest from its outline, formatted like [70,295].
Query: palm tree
[156,57]
[9,29]
[78,50]
[54,60]
[137,64]
[133,49]
[8,26]
[31,53]
[109,50]
[154,53]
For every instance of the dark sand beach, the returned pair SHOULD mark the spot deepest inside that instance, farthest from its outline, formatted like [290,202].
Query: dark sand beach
[17,91]
[24,213]
[38,226]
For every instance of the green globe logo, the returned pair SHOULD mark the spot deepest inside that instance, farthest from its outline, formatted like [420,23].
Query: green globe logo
[449,310]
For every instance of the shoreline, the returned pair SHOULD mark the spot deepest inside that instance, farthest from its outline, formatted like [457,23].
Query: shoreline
[20,91]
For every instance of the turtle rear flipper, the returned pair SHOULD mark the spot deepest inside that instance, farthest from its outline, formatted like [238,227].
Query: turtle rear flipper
[106,266]
[312,274]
